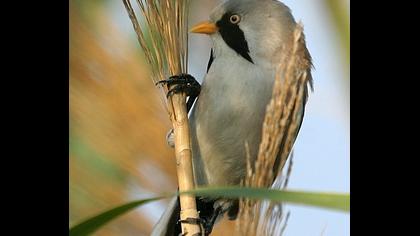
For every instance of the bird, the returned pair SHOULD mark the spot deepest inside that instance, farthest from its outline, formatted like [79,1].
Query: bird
[228,108]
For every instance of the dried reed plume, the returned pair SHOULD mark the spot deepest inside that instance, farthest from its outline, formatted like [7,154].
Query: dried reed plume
[166,27]
[280,127]
[163,38]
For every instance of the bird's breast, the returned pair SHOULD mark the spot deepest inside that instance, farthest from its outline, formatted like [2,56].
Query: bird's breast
[229,112]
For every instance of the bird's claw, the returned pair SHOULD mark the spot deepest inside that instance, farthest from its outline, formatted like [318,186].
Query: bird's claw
[209,223]
[196,221]
[178,89]
[177,79]
[183,83]
[206,223]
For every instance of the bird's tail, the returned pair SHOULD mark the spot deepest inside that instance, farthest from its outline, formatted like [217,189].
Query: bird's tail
[168,224]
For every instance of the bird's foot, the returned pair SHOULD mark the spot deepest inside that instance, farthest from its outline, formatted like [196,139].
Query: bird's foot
[191,221]
[208,223]
[211,210]
[183,83]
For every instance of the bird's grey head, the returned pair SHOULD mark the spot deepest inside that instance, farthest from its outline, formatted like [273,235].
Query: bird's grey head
[254,30]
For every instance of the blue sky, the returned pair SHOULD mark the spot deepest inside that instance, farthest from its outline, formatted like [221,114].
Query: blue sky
[322,150]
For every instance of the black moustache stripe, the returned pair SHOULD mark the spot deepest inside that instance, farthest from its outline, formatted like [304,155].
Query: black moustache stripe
[233,36]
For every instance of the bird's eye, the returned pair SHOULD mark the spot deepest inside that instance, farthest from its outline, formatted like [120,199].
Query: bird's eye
[234,19]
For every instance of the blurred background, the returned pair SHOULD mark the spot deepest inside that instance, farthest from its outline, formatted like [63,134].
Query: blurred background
[118,124]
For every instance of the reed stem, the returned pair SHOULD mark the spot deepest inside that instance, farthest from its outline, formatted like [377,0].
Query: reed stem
[166,51]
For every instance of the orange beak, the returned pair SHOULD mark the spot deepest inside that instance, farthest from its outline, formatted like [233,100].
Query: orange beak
[206,27]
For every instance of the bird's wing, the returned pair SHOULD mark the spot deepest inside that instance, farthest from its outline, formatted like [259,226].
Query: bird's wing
[301,114]
[168,223]
[305,65]
[193,99]
[210,60]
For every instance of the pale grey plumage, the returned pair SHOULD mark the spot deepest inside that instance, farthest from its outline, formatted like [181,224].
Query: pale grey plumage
[231,106]
[234,94]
